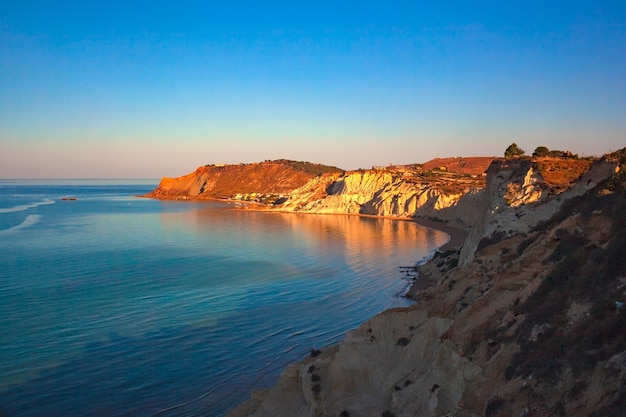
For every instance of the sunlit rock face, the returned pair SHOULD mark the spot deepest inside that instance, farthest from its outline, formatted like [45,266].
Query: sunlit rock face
[517,194]
[514,197]
[226,181]
[377,193]
[529,191]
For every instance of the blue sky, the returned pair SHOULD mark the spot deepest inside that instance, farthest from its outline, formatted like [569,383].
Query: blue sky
[148,89]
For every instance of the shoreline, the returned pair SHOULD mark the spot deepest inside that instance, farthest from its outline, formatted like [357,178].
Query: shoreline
[457,235]
[456,239]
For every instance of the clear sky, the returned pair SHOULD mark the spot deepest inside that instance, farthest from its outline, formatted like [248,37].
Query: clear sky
[130,89]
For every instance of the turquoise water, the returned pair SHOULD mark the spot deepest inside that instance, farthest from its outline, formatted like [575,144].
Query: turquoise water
[122,306]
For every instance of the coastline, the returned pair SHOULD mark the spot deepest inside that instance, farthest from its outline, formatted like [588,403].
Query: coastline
[387,324]
[479,309]
[457,236]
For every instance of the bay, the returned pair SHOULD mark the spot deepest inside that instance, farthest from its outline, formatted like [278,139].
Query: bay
[116,305]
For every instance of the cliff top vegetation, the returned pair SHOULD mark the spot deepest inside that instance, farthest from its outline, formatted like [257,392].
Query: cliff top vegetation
[308,167]
[475,165]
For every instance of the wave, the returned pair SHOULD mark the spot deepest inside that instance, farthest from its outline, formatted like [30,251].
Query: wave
[25,207]
[30,220]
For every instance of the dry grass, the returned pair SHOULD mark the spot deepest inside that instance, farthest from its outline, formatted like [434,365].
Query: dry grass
[561,172]
[470,166]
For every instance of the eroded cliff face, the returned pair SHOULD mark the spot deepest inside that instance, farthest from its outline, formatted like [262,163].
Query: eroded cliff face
[517,194]
[517,197]
[387,193]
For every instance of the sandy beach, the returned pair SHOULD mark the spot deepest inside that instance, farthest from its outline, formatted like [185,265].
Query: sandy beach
[457,236]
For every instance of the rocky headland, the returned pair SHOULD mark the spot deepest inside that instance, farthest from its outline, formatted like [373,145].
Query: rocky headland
[262,182]
[525,318]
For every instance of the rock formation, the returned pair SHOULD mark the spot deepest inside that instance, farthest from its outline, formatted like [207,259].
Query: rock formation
[390,193]
[517,197]
[446,191]
[531,322]
[517,194]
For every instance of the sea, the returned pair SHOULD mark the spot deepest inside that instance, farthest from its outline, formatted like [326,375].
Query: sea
[117,305]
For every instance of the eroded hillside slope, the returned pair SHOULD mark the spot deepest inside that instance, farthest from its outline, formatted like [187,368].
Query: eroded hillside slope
[541,312]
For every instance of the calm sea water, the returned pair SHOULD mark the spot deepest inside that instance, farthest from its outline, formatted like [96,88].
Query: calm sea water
[114,305]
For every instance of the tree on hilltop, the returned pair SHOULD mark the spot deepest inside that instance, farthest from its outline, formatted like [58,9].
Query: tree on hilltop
[513,150]
[541,151]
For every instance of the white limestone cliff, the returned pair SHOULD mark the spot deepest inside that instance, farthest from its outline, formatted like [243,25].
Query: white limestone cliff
[516,199]
[381,193]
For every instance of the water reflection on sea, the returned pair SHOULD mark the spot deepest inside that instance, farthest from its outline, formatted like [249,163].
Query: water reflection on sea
[112,305]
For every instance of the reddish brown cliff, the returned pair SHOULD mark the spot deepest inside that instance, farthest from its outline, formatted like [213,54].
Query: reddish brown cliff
[226,181]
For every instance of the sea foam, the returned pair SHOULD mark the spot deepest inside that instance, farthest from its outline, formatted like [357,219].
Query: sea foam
[24,207]
[30,220]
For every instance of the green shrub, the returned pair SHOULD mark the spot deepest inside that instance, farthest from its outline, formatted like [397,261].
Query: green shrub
[513,150]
